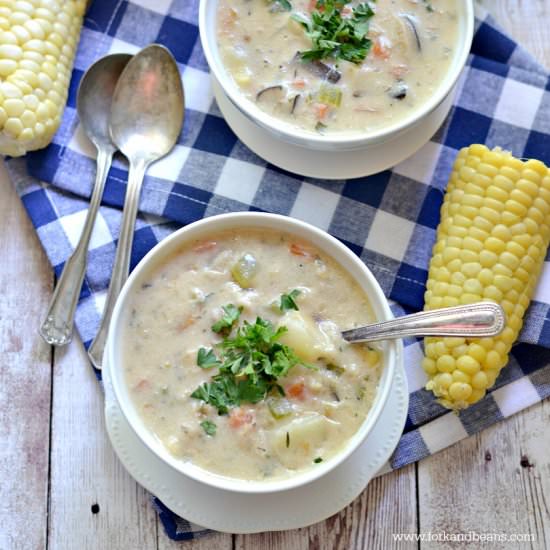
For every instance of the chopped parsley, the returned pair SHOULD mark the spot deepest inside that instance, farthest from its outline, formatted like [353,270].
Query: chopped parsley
[288,300]
[317,460]
[250,363]
[231,316]
[209,427]
[335,36]
[206,359]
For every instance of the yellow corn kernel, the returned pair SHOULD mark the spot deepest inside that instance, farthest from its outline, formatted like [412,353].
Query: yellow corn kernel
[37,48]
[491,244]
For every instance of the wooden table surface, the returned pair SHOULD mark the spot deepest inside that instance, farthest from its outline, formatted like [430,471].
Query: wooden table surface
[57,467]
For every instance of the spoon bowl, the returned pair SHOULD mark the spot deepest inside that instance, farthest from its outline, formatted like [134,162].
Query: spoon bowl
[146,119]
[94,98]
[148,106]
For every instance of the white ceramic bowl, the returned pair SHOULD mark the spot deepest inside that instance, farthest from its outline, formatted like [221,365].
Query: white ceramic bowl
[336,141]
[328,244]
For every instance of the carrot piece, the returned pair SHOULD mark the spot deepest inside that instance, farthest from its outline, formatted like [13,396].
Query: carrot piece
[186,323]
[313,4]
[143,384]
[239,417]
[301,250]
[296,390]
[299,83]
[321,110]
[381,47]
[399,71]
[205,246]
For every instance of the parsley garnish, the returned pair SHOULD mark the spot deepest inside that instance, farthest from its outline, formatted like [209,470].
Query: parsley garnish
[249,364]
[225,324]
[206,358]
[284,4]
[288,300]
[209,427]
[335,36]
[317,460]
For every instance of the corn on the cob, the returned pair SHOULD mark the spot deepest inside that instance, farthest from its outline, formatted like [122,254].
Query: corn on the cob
[491,243]
[38,40]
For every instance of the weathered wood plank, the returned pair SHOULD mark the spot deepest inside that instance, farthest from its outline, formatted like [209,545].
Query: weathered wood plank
[216,541]
[25,375]
[495,482]
[526,21]
[86,476]
[387,506]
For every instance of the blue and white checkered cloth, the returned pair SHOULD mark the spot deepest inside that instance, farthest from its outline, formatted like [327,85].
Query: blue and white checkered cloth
[503,99]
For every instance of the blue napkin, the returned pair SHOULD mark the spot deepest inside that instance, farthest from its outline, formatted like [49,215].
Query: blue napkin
[503,99]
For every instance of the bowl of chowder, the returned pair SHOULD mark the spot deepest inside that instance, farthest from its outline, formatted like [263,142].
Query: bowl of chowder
[335,75]
[226,356]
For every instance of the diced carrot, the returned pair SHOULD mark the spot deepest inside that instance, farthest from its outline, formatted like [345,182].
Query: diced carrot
[299,83]
[296,390]
[186,323]
[238,417]
[205,246]
[301,250]
[382,47]
[321,110]
[143,384]
[313,4]
[399,71]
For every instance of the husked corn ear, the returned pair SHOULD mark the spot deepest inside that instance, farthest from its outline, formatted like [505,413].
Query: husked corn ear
[38,40]
[491,243]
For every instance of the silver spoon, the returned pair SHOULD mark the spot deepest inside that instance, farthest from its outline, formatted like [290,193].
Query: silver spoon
[480,320]
[146,119]
[93,104]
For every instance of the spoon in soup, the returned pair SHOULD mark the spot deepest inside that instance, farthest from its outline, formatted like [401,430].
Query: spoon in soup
[480,320]
[146,118]
[93,104]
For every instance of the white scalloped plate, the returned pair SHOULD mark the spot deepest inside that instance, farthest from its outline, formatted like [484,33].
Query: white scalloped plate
[331,164]
[252,513]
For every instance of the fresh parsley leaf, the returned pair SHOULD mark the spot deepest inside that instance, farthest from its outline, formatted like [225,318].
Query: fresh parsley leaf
[335,36]
[317,460]
[250,363]
[288,300]
[231,316]
[209,427]
[206,359]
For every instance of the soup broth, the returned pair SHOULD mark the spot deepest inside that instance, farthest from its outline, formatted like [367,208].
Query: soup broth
[275,61]
[187,310]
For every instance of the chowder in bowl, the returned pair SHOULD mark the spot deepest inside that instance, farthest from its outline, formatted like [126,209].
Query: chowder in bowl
[329,73]
[226,354]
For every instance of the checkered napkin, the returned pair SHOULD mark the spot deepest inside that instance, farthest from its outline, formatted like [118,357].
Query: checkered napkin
[503,99]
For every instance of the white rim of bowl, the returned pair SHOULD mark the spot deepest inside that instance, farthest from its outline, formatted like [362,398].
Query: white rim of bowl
[355,139]
[275,222]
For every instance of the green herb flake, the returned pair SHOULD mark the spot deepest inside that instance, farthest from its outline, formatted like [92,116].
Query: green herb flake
[335,36]
[230,317]
[317,460]
[209,427]
[250,363]
[288,300]
[206,359]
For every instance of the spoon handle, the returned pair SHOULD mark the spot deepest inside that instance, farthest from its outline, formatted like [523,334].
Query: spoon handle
[470,321]
[57,328]
[121,267]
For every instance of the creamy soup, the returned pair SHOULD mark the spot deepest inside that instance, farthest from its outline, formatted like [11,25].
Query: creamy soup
[234,359]
[329,66]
